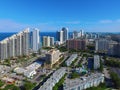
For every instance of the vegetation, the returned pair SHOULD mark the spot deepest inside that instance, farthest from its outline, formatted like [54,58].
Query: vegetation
[63,64]
[115,78]
[85,55]
[74,62]
[102,86]
[62,48]
[112,63]
[47,48]
[1,83]
[59,85]
[101,66]
[11,87]
[79,65]
[74,75]
[7,62]
[91,47]
[28,85]
[34,54]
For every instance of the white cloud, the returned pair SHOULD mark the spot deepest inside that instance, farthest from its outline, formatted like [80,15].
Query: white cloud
[10,25]
[118,20]
[7,25]
[106,21]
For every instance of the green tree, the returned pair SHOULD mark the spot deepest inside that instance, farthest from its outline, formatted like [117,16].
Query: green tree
[115,78]
[29,86]
[101,66]
[1,83]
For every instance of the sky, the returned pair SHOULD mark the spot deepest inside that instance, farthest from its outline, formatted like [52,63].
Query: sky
[52,15]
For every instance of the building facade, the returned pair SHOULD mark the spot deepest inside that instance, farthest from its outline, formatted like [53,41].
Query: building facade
[76,44]
[114,49]
[14,46]
[96,61]
[54,78]
[101,45]
[71,59]
[35,40]
[52,41]
[60,36]
[48,41]
[84,82]
[65,33]
[53,56]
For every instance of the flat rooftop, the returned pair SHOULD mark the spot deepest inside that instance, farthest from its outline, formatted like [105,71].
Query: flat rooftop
[71,83]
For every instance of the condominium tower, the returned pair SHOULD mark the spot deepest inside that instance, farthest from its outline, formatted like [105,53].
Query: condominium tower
[65,33]
[76,44]
[48,41]
[60,36]
[16,45]
[35,40]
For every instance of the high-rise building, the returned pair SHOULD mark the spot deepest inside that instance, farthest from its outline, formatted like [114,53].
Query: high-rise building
[75,34]
[78,34]
[114,49]
[76,44]
[16,45]
[51,41]
[48,41]
[12,46]
[4,49]
[65,33]
[81,33]
[101,45]
[35,40]
[60,36]
[25,41]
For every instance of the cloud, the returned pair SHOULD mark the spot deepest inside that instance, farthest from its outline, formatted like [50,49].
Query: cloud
[7,25]
[10,25]
[105,21]
[118,20]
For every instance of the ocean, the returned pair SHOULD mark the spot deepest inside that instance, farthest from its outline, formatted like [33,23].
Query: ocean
[5,35]
[52,34]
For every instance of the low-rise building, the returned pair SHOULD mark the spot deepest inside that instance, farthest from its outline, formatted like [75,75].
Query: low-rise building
[81,70]
[96,61]
[28,71]
[71,59]
[50,83]
[53,56]
[84,82]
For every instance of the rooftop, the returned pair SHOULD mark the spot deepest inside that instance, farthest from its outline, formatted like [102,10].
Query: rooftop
[71,83]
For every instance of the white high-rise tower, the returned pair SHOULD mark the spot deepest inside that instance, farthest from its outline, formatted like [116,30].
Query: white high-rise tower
[65,33]
[35,40]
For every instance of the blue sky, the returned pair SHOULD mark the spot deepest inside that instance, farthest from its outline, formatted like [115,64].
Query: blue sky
[52,15]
